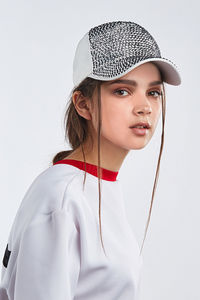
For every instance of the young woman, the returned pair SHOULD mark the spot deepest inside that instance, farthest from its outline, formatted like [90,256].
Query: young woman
[74,209]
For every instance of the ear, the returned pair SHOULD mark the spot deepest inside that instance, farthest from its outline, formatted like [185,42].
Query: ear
[82,105]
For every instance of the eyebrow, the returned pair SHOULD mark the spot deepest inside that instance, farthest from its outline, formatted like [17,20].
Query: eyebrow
[133,82]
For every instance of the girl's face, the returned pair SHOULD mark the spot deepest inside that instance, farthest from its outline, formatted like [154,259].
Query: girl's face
[126,103]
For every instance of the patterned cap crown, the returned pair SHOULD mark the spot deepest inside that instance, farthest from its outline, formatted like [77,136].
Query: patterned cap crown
[116,46]
[110,50]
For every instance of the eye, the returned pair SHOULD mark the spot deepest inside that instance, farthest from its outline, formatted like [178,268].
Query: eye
[158,92]
[119,90]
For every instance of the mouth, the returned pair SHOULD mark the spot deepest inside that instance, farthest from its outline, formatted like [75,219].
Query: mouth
[139,131]
[141,125]
[140,128]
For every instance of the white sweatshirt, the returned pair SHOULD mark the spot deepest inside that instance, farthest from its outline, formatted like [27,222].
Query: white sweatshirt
[54,250]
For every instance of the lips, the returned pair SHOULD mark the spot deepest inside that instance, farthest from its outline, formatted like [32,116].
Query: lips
[144,124]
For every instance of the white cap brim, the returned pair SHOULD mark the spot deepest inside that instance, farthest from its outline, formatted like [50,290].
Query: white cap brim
[170,72]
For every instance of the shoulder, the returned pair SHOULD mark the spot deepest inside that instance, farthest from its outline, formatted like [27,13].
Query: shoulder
[46,201]
[47,191]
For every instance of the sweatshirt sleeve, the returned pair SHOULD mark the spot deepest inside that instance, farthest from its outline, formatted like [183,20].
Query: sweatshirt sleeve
[48,263]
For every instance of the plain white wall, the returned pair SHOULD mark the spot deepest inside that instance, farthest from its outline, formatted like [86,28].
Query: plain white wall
[38,40]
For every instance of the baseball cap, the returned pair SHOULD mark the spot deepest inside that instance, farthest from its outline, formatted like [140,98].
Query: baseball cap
[110,50]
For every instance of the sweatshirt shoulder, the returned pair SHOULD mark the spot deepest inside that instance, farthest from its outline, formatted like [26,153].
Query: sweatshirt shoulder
[48,189]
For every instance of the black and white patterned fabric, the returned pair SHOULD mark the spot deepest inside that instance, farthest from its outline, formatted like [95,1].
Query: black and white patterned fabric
[116,48]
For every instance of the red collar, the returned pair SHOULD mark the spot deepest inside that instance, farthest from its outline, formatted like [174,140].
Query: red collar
[90,168]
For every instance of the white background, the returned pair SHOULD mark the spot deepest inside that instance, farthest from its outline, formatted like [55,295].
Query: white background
[38,41]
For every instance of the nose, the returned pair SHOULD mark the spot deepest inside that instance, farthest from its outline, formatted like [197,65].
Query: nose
[142,107]
[143,110]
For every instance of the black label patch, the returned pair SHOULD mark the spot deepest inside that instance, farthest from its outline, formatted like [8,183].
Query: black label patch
[6,257]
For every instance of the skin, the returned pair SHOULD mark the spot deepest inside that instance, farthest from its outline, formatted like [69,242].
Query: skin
[120,110]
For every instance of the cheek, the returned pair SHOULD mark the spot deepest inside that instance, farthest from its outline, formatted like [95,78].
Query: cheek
[156,113]
[114,119]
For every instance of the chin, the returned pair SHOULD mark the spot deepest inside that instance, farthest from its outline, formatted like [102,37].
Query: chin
[140,145]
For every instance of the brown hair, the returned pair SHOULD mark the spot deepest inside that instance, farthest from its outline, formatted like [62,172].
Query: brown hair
[76,131]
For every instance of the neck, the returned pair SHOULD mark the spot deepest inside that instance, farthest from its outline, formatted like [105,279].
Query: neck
[111,156]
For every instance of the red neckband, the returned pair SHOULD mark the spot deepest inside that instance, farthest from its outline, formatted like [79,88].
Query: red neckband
[90,168]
